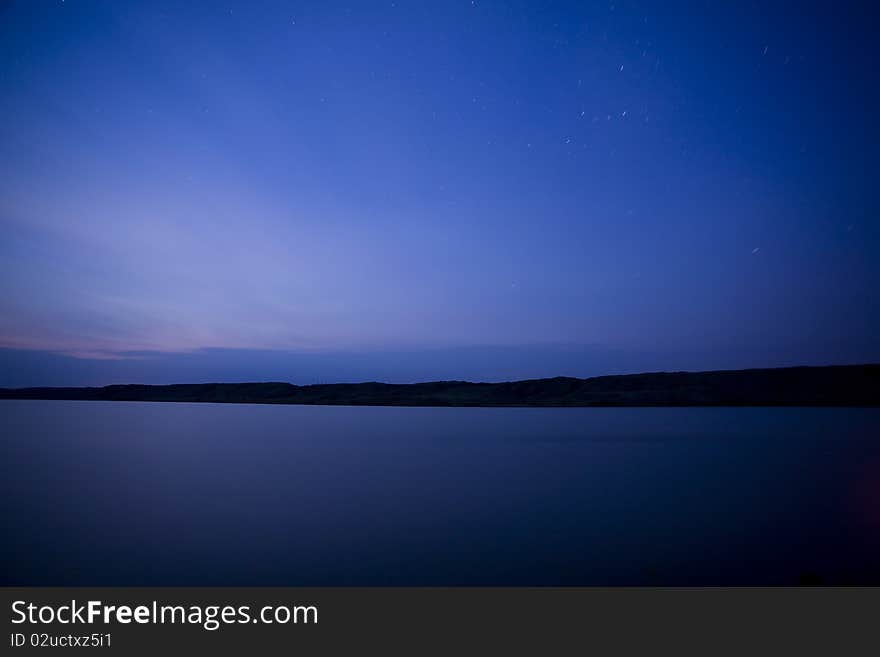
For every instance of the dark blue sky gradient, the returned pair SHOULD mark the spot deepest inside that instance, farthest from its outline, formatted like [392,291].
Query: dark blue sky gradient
[321,191]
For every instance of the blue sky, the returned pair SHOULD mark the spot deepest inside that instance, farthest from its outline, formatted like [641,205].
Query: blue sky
[406,190]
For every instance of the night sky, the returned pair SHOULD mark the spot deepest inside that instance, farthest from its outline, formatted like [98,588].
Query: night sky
[400,191]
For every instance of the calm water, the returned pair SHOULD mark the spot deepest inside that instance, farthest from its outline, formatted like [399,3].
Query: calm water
[146,493]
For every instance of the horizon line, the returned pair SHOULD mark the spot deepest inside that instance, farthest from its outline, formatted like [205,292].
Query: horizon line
[460,381]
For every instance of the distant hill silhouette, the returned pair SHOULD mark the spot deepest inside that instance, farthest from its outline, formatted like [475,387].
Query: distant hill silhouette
[848,385]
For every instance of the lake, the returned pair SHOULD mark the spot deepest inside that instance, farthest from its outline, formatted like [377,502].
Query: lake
[134,493]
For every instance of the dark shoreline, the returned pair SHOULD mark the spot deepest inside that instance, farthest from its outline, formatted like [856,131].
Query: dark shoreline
[839,385]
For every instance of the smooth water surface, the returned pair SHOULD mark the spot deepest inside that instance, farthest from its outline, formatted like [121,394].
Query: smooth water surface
[172,494]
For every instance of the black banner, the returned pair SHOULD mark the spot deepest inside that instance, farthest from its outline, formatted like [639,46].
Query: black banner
[150,621]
